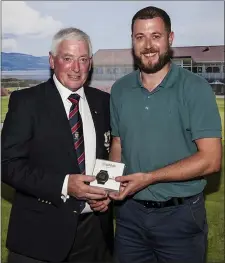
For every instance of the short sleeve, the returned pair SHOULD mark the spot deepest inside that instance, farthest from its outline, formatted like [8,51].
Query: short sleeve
[204,117]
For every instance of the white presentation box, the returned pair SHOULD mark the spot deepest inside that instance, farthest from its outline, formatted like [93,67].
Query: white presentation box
[105,173]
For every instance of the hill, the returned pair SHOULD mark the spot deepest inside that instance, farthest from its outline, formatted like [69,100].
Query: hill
[19,61]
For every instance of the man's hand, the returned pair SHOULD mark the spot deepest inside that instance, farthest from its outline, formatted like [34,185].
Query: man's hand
[78,186]
[99,205]
[130,184]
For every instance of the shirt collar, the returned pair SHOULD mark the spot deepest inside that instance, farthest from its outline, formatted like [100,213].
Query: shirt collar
[65,92]
[168,80]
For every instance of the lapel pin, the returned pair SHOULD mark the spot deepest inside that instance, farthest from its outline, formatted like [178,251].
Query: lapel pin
[76,135]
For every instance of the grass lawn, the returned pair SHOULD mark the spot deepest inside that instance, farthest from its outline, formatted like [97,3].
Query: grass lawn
[214,204]
[4,107]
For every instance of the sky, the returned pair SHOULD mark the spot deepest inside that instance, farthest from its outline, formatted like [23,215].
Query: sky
[28,26]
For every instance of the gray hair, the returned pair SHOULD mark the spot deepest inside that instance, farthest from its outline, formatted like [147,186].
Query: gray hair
[68,34]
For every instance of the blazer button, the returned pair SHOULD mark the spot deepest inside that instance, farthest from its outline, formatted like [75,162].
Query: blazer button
[75,211]
[39,199]
[50,203]
[42,201]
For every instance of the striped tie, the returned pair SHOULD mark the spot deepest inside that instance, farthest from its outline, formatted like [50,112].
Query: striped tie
[77,131]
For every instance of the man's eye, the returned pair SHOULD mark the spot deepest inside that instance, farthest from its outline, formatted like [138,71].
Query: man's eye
[83,60]
[156,37]
[139,37]
[67,59]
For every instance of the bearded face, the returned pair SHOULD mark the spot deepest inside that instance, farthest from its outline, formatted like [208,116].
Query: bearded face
[151,44]
[151,60]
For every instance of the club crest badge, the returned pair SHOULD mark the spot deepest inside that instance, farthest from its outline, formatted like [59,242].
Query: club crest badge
[107,140]
[76,136]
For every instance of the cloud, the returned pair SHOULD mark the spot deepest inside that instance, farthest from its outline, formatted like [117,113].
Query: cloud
[19,19]
[9,45]
[50,6]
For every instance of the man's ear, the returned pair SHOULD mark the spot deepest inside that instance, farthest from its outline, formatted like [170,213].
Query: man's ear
[51,60]
[171,38]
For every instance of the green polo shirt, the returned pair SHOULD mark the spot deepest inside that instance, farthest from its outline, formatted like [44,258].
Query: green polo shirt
[160,127]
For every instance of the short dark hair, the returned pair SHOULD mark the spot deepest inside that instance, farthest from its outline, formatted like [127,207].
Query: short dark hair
[150,12]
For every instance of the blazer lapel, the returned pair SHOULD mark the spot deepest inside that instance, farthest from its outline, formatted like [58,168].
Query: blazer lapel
[57,116]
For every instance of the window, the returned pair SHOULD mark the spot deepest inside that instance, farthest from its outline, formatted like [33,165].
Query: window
[216,69]
[213,69]
[194,69]
[98,70]
[209,70]
[116,70]
[199,69]
[109,70]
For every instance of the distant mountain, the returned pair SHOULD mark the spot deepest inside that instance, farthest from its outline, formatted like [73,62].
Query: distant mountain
[19,61]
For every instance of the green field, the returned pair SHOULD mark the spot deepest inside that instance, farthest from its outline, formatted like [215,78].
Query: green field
[4,107]
[214,204]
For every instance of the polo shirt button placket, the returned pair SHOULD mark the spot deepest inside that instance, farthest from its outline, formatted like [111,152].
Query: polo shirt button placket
[147,107]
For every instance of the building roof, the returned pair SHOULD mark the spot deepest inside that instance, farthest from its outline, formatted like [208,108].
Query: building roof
[113,57]
[201,53]
[124,56]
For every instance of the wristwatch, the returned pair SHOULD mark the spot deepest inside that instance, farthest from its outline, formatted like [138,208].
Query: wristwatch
[102,177]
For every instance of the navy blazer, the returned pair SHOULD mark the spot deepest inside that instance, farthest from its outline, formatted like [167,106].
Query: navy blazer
[37,153]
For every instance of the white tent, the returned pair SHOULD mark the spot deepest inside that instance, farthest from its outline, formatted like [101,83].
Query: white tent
[216,82]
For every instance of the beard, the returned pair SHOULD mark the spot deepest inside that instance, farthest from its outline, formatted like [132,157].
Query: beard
[150,68]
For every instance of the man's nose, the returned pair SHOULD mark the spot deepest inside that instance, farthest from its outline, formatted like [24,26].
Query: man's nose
[148,43]
[75,66]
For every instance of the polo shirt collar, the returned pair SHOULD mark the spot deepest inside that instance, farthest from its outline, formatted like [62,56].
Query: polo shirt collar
[168,80]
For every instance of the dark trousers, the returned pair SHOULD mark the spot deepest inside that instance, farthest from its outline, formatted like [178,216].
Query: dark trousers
[175,234]
[89,244]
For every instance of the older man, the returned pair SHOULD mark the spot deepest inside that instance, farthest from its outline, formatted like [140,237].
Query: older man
[51,137]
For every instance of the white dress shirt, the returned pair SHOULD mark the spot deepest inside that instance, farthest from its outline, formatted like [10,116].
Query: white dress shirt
[88,132]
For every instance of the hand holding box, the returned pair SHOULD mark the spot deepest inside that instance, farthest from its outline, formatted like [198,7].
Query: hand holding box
[105,173]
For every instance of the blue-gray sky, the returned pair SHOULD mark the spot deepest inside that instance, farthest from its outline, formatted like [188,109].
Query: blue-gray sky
[28,26]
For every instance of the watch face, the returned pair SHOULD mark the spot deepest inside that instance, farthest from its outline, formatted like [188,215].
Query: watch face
[102,177]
